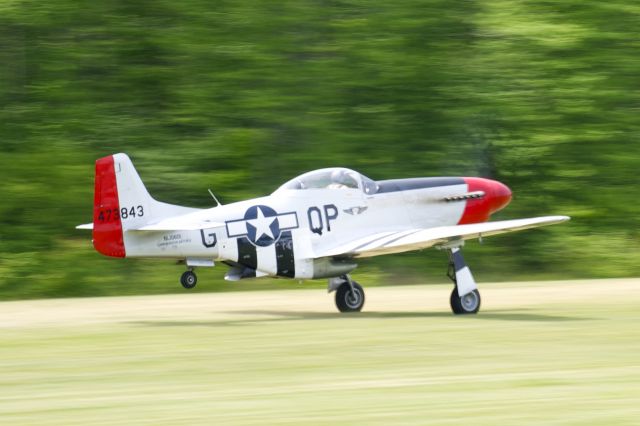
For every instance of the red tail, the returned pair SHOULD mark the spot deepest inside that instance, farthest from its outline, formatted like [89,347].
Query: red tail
[107,226]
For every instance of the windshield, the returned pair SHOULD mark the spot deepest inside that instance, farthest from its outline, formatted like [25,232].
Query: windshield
[334,178]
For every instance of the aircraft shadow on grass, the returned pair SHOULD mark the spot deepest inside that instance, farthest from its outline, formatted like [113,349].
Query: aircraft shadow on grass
[271,316]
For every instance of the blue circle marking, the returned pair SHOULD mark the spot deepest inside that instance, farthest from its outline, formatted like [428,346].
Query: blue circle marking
[263,226]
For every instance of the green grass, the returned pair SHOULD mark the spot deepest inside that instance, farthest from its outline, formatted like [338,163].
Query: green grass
[539,353]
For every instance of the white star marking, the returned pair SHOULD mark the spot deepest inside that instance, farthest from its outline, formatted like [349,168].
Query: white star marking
[262,225]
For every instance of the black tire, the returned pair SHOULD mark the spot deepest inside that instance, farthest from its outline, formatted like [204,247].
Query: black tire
[468,304]
[346,300]
[189,279]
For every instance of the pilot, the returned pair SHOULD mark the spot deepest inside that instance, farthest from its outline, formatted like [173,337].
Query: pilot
[341,179]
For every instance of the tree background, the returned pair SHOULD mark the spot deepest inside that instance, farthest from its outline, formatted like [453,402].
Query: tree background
[239,96]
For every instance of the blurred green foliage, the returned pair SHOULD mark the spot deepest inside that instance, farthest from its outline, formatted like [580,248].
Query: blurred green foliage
[239,96]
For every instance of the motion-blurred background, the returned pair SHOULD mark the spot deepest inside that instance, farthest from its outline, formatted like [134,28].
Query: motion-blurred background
[239,96]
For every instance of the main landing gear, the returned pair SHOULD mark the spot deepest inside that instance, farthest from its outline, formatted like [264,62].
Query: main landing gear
[465,297]
[349,294]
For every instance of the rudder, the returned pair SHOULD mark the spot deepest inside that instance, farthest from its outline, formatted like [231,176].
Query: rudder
[107,225]
[121,202]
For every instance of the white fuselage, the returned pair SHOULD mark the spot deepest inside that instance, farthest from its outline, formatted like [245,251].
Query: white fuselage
[282,234]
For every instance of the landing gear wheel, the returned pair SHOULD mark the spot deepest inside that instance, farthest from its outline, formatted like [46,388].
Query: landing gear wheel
[347,300]
[467,304]
[188,279]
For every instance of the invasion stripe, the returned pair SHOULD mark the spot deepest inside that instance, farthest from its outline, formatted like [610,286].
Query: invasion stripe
[285,256]
[405,235]
[247,255]
[355,250]
[391,238]
[266,260]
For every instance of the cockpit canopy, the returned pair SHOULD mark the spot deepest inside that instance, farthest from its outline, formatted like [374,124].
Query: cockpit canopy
[332,178]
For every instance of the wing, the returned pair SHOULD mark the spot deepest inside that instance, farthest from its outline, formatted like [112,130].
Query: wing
[416,239]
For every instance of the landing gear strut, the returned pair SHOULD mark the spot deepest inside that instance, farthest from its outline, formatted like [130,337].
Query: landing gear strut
[349,295]
[189,279]
[465,297]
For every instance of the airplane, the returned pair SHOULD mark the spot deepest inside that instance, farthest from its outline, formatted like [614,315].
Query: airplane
[316,225]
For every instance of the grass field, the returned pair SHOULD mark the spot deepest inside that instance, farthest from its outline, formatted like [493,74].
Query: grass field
[546,353]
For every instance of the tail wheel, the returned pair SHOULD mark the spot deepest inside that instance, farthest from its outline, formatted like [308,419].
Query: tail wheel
[348,300]
[467,304]
[189,279]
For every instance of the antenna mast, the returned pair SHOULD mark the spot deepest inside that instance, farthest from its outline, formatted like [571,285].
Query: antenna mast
[214,197]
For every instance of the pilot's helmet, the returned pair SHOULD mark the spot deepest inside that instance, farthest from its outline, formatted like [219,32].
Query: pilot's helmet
[342,177]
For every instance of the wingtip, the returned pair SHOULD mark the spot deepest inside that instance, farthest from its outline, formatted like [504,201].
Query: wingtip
[552,220]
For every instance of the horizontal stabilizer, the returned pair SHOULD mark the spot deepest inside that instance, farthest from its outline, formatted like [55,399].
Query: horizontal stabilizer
[172,224]
[179,224]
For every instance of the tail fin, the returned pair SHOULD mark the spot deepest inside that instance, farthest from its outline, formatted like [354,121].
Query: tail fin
[122,202]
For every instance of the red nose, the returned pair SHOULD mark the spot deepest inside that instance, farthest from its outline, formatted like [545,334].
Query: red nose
[496,197]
